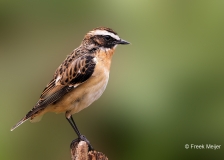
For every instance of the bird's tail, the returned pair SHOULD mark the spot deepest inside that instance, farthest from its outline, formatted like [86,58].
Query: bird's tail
[24,119]
[32,115]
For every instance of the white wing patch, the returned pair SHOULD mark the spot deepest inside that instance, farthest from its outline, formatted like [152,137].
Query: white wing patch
[95,60]
[57,79]
[103,32]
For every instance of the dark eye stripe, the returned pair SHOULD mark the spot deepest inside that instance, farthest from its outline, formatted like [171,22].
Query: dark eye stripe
[107,37]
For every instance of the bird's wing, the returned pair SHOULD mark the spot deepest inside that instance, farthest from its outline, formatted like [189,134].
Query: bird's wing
[70,74]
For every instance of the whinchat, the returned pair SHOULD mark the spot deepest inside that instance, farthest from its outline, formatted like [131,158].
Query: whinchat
[79,80]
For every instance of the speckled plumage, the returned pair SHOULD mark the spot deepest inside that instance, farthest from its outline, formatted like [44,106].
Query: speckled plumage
[80,79]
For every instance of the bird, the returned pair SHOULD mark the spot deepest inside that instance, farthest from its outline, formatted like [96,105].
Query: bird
[80,80]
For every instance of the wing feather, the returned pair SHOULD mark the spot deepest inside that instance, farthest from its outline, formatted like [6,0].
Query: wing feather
[71,73]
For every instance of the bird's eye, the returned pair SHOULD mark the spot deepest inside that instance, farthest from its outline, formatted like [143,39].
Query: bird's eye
[107,37]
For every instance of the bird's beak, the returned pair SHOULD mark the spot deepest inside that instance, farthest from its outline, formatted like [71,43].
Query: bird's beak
[121,41]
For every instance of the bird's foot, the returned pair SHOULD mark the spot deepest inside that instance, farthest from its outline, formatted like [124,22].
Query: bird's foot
[82,138]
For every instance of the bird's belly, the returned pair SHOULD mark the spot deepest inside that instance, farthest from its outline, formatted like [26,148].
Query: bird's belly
[91,95]
[82,96]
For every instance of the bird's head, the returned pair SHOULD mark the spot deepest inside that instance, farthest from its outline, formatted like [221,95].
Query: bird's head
[102,37]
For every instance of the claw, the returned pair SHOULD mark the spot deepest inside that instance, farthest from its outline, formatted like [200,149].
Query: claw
[81,138]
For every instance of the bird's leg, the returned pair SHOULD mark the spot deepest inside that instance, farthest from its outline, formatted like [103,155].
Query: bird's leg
[72,123]
[80,137]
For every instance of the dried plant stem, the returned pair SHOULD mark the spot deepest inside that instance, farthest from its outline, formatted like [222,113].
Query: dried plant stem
[79,151]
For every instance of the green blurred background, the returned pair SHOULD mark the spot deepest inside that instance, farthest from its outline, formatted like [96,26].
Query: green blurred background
[165,90]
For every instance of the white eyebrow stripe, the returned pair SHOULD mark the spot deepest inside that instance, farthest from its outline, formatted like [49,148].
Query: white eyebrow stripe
[103,32]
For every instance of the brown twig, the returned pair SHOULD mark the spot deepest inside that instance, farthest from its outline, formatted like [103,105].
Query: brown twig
[79,151]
